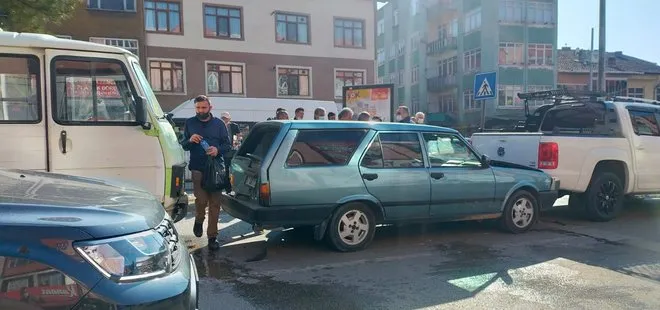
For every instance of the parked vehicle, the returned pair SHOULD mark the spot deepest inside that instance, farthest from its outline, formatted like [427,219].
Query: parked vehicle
[601,148]
[78,243]
[86,109]
[343,178]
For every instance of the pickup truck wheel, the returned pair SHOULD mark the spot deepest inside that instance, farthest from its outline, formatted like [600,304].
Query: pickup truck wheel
[520,212]
[352,227]
[604,197]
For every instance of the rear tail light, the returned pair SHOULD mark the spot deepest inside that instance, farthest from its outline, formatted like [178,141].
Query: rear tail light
[264,194]
[548,155]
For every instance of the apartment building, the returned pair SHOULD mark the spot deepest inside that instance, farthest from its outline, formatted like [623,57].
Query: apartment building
[516,38]
[624,75]
[111,22]
[258,49]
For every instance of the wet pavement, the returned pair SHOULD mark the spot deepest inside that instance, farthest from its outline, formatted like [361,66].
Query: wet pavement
[563,262]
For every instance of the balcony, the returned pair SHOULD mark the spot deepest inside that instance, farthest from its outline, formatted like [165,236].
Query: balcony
[441,83]
[438,9]
[438,47]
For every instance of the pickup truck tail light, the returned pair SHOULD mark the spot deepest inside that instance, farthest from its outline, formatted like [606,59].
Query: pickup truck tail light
[548,155]
[264,194]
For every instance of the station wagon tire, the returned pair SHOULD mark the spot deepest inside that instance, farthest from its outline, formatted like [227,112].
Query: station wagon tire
[351,227]
[520,213]
[604,197]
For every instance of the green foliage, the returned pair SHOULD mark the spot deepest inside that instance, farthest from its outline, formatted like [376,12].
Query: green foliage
[34,15]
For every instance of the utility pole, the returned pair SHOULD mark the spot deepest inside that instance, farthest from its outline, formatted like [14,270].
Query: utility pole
[591,62]
[601,48]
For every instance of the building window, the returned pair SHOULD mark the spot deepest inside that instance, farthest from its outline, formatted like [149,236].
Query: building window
[401,78]
[447,103]
[162,16]
[415,38]
[225,78]
[540,54]
[616,87]
[472,60]
[129,44]
[468,101]
[511,54]
[292,28]
[414,75]
[473,21]
[380,56]
[448,67]
[293,81]
[167,76]
[507,96]
[395,17]
[636,92]
[347,78]
[349,33]
[540,13]
[394,78]
[112,5]
[511,11]
[657,93]
[380,27]
[223,22]
[20,79]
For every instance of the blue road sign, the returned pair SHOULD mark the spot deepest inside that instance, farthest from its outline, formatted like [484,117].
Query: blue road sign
[485,85]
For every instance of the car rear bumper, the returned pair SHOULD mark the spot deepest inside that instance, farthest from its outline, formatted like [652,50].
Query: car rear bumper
[254,213]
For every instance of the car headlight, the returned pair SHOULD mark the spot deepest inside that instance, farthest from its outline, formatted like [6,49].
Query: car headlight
[128,258]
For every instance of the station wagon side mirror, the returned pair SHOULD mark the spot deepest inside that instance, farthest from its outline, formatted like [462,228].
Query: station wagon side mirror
[141,112]
[485,160]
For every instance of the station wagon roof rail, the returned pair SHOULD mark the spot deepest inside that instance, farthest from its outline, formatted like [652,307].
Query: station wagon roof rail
[380,126]
[32,40]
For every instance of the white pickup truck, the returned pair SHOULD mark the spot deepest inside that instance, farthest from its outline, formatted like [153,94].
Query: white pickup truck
[601,149]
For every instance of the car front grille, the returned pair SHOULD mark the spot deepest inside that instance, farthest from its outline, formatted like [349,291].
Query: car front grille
[167,230]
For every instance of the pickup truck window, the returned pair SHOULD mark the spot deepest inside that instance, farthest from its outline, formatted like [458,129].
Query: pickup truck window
[447,150]
[644,123]
[583,119]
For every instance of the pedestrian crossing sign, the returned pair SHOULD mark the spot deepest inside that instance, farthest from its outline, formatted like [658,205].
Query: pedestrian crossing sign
[485,85]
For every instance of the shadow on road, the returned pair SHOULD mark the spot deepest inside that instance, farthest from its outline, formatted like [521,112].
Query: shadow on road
[427,265]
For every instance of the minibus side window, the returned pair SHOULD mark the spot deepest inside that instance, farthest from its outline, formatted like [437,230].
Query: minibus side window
[92,91]
[20,83]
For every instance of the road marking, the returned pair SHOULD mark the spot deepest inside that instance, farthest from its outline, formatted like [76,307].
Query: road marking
[347,264]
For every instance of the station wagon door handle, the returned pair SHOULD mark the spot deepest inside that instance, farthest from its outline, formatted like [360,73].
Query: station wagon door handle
[437,175]
[369,176]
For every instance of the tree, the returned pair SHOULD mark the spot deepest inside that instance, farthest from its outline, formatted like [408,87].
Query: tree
[34,15]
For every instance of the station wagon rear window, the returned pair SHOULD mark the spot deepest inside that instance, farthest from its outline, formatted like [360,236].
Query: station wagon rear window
[324,147]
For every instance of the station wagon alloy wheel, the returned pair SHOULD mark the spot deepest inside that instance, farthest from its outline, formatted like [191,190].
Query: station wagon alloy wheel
[353,227]
[523,212]
[520,212]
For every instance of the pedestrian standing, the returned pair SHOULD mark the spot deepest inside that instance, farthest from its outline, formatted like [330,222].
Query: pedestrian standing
[319,114]
[346,114]
[332,116]
[403,115]
[299,114]
[364,116]
[204,127]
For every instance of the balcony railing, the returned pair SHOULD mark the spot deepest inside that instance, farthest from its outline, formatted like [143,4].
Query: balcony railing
[440,46]
[441,83]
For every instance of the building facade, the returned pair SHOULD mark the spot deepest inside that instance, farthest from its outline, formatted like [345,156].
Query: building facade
[515,38]
[624,75]
[259,49]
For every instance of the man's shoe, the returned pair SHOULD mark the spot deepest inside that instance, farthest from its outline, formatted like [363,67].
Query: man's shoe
[198,230]
[214,245]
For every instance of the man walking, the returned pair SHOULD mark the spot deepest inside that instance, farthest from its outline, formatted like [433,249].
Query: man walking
[205,127]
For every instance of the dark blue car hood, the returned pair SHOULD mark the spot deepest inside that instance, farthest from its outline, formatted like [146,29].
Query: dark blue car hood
[99,208]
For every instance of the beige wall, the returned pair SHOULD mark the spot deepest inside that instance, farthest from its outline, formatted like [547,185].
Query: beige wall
[259,28]
[648,82]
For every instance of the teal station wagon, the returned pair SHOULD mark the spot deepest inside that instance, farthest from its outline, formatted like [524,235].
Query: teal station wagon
[344,178]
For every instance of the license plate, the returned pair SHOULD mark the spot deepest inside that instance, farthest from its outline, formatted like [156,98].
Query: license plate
[250,181]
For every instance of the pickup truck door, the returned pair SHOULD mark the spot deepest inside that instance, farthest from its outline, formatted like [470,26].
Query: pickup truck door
[460,184]
[646,147]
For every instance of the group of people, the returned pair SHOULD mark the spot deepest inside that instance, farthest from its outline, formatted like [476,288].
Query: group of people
[347,114]
[220,133]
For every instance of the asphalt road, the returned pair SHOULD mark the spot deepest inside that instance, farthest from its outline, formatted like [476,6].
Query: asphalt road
[563,263]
